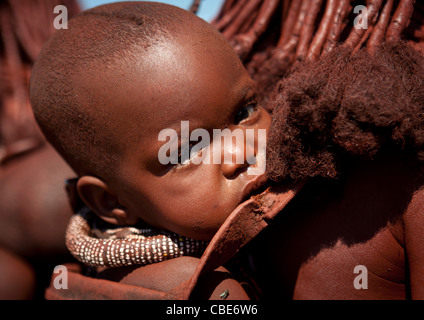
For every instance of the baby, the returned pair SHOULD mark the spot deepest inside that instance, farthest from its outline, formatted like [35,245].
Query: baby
[103,91]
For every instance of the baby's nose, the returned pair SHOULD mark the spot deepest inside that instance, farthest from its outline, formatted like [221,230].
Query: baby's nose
[237,158]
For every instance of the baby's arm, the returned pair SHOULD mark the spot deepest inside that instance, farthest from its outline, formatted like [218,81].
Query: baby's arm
[167,275]
[414,243]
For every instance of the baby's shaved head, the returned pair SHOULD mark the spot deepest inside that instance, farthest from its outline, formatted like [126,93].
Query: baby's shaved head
[100,46]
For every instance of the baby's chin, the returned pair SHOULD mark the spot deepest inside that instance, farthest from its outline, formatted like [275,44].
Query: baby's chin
[255,188]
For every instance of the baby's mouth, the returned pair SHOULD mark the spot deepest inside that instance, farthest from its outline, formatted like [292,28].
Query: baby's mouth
[255,186]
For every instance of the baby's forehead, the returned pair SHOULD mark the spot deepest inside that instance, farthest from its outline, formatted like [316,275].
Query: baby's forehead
[180,76]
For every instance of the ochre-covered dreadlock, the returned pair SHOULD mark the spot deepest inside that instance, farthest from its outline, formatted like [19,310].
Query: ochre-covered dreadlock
[270,36]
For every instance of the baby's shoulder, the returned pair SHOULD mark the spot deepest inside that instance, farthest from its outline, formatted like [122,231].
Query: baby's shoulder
[167,275]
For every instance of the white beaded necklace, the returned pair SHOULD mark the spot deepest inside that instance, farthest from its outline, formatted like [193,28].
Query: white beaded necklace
[125,246]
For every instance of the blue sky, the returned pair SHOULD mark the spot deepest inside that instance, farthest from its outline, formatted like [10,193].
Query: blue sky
[208,8]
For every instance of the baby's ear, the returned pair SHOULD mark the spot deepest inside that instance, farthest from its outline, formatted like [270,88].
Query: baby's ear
[101,200]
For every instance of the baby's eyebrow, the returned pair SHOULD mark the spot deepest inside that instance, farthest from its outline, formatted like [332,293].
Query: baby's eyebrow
[249,90]
[246,93]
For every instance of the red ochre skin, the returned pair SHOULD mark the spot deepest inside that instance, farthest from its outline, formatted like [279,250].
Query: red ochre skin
[372,218]
[32,188]
[34,212]
[17,278]
[157,277]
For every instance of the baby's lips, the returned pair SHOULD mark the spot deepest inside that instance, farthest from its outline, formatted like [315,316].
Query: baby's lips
[254,184]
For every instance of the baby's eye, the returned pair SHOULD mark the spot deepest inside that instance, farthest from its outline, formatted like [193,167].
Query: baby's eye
[186,159]
[246,112]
